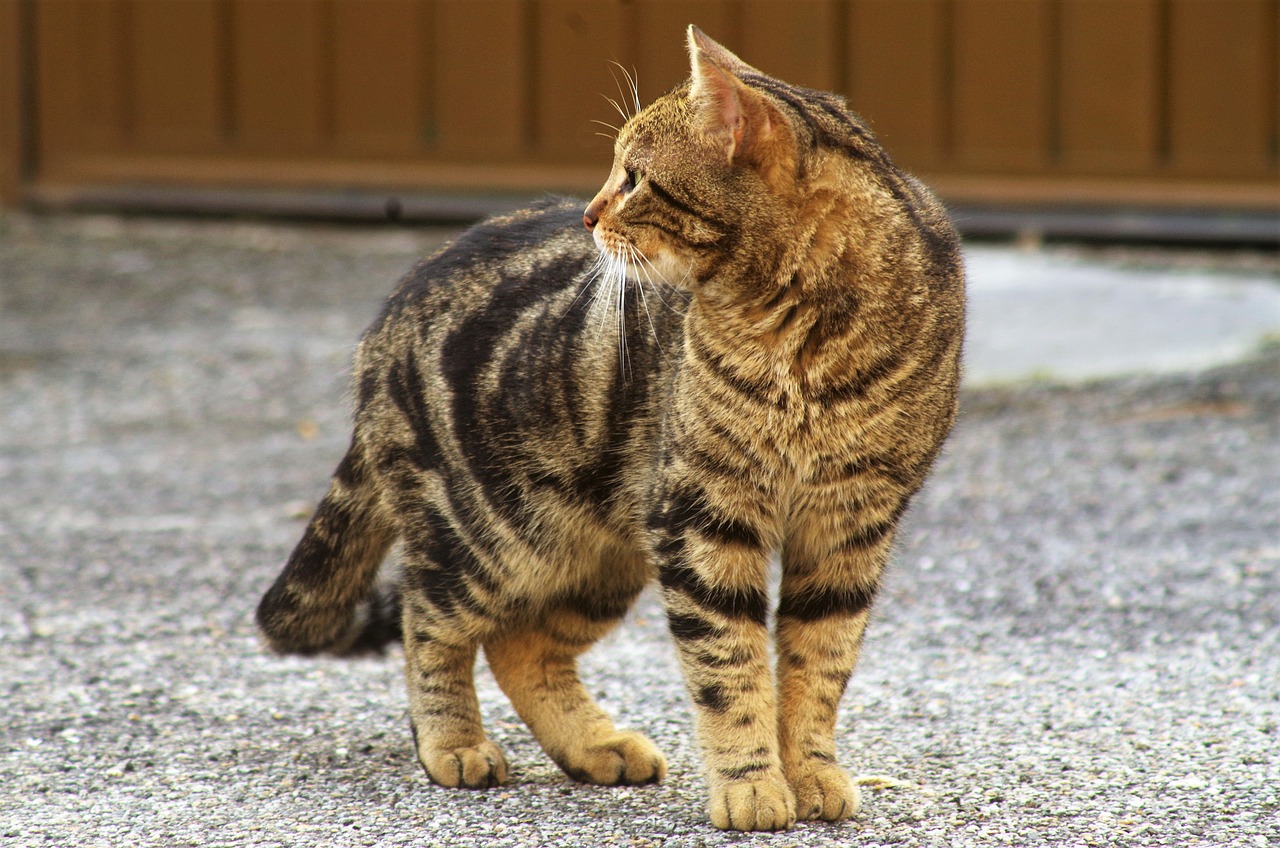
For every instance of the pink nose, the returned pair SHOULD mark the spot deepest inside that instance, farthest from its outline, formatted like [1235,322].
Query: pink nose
[589,220]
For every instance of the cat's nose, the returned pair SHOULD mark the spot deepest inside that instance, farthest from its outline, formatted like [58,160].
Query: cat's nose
[589,219]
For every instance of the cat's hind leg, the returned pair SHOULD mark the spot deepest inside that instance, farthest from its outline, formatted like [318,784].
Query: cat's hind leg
[537,669]
[448,607]
[443,709]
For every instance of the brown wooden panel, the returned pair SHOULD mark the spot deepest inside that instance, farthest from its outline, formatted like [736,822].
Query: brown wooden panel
[1110,85]
[1003,80]
[898,76]
[793,40]
[179,74]
[380,74]
[576,41]
[1274,89]
[102,71]
[11,114]
[1221,88]
[481,63]
[1143,99]
[280,73]
[57,77]
[662,57]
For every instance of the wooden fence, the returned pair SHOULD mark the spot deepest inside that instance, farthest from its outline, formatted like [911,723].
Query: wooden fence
[1135,102]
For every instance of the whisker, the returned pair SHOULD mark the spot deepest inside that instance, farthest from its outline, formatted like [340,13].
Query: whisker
[592,276]
[617,106]
[644,301]
[618,83]
[634,81]
[662,281]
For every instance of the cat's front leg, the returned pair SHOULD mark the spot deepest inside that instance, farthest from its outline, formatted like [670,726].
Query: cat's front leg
[829,583]
[712,570]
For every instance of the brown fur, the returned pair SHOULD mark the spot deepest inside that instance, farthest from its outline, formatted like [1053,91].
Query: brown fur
[775,375]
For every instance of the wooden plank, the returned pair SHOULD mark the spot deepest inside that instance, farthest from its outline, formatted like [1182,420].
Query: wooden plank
[57,39]
[280,75]
[662,57]
[794,40]
[481,63]
[12,128]
[1110,97]
[103,104]
[898,76]
[1274,88]
[380,75]
[1003,85]
[179,74]
[1221,86]
[576,41]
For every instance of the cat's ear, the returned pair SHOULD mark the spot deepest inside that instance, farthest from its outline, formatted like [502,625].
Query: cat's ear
[701,43]
[740,120]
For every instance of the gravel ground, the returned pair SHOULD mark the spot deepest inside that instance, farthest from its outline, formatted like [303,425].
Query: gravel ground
[1078,644]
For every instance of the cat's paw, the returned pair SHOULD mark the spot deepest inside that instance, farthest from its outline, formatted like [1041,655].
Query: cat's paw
[824,791]
[766,803]
[620,759]
[479,767]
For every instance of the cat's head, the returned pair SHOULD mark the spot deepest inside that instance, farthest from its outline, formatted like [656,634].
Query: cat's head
[717,179]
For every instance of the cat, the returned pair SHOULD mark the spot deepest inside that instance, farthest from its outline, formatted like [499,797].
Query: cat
[769,368]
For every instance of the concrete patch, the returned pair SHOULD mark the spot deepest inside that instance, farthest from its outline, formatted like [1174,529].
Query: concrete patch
[1039,317]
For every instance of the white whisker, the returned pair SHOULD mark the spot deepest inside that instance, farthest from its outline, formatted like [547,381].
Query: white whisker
[618,107]
[631,88]
[644,301]
[632,84]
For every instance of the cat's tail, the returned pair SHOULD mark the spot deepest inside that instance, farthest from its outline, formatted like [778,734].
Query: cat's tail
[325,599]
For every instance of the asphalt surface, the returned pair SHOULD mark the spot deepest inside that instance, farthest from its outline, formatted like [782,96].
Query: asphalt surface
[1078,644]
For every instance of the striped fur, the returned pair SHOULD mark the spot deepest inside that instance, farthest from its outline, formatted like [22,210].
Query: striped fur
[754,351]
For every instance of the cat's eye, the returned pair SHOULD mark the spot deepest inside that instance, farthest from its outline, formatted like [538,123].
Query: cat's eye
[632,180]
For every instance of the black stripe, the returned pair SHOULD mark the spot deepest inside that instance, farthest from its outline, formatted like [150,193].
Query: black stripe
[857,387]
[688,508]
[711,464]
[349,472]
[743,771]
[670,199]
[870,535]
[405,387]
[740,447]
[818,603]
[691,628]
[596,607]
[368,385]
[711,697]
[754,390]
[748,603]
[450,569]
[884,467]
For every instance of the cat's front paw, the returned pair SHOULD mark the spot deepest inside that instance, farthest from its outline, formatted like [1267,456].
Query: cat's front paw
[478,767]
[766,803]
[824,791]
[620,759]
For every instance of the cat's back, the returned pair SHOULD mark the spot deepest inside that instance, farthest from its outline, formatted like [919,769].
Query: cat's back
[508,263]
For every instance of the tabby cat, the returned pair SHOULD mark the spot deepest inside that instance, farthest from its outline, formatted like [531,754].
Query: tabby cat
[769,368]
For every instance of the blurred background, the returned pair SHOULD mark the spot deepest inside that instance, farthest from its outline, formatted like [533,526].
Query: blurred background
[1135,118]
